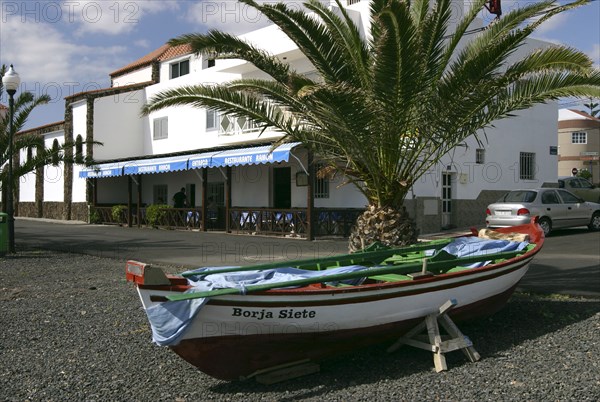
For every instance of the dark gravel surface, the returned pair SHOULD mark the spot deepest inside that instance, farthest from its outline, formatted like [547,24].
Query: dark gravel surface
[72,329]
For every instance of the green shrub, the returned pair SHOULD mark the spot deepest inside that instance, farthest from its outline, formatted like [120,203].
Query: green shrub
[586,174]
[118,213]
[94,217]
[155,213]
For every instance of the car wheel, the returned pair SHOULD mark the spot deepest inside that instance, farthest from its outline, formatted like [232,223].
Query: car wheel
[546,225]
[595,222]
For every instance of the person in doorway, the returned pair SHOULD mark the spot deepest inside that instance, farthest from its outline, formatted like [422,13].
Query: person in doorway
[180,199]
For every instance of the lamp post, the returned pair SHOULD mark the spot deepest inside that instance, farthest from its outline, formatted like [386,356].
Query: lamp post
[11,81]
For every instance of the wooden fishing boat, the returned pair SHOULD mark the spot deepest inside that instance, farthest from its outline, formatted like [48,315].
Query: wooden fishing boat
[234,332]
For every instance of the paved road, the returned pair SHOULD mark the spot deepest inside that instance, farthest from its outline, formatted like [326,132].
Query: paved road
[568,264]
[178,248]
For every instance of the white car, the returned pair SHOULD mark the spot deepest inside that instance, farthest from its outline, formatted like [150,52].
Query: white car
[580,187]
[555,208]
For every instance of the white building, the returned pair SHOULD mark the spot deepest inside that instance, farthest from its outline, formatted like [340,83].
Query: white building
[145,160]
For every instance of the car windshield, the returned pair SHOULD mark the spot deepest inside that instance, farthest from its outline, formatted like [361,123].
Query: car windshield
[519,196]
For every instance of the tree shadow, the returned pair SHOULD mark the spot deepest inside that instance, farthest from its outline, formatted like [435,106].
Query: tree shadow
[547,279]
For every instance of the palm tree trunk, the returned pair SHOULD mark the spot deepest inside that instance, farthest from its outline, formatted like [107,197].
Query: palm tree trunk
[389,226]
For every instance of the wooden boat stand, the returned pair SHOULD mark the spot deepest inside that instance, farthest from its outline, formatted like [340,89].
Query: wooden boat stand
[433,340]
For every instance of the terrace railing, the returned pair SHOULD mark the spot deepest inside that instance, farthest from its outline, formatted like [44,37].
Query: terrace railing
[268,221]
[292,222]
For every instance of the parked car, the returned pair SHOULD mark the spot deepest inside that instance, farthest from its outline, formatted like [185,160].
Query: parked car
[556,208]
[580,187]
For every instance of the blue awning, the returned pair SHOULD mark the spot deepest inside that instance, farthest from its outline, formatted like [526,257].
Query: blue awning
[203,160]
[242,156]
[157,165]
[102,170]
[231,157]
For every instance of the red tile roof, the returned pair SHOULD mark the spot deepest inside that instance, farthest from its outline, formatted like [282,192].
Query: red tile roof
[165,52]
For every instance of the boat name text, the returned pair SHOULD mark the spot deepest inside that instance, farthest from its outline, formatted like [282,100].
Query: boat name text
[282,314]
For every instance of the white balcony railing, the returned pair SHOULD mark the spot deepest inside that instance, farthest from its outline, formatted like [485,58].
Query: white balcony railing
[229,125]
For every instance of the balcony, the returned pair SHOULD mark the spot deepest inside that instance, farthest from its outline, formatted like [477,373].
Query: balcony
[229,125]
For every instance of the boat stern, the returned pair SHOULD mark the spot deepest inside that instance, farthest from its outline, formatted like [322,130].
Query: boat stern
[145,274]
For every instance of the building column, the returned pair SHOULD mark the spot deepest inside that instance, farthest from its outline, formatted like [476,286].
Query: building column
[204,191]
[139,201]
[310,197]
[227,199]
[129,201]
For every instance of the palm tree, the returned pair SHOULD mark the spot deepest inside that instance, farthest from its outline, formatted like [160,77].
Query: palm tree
[387,107]
[592,106]
[24,104]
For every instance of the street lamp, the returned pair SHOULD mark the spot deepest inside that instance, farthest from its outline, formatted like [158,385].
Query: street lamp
[11,82]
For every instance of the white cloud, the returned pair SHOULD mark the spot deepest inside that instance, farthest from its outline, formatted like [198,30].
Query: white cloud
[51,63]
[554,24]
[226,15]
[143,43]
[113,17]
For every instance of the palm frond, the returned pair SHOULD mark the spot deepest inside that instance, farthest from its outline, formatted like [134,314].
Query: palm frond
[312,38]
[392,104]
[347,37]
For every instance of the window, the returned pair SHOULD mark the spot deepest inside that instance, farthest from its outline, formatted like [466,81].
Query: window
[447,192]
[79,149]
[161,128]
[583,183]
[568,198]
[527,166]
[321,182]
[180,68]
[29,154]
[579,137]
[160,194]
[550,197]
[55,152]
[211,119]
[480,156]
[208,60]
[519,196]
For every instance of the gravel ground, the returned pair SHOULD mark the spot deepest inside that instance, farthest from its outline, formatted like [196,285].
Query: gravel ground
[72,329]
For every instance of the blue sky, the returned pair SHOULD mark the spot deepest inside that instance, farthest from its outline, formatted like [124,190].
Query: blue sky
[64,47]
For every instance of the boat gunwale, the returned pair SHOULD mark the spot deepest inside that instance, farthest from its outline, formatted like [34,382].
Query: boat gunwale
[400,287]
[317,288]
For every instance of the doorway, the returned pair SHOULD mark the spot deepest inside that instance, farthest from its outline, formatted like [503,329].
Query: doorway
[447,184]
[282,187]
